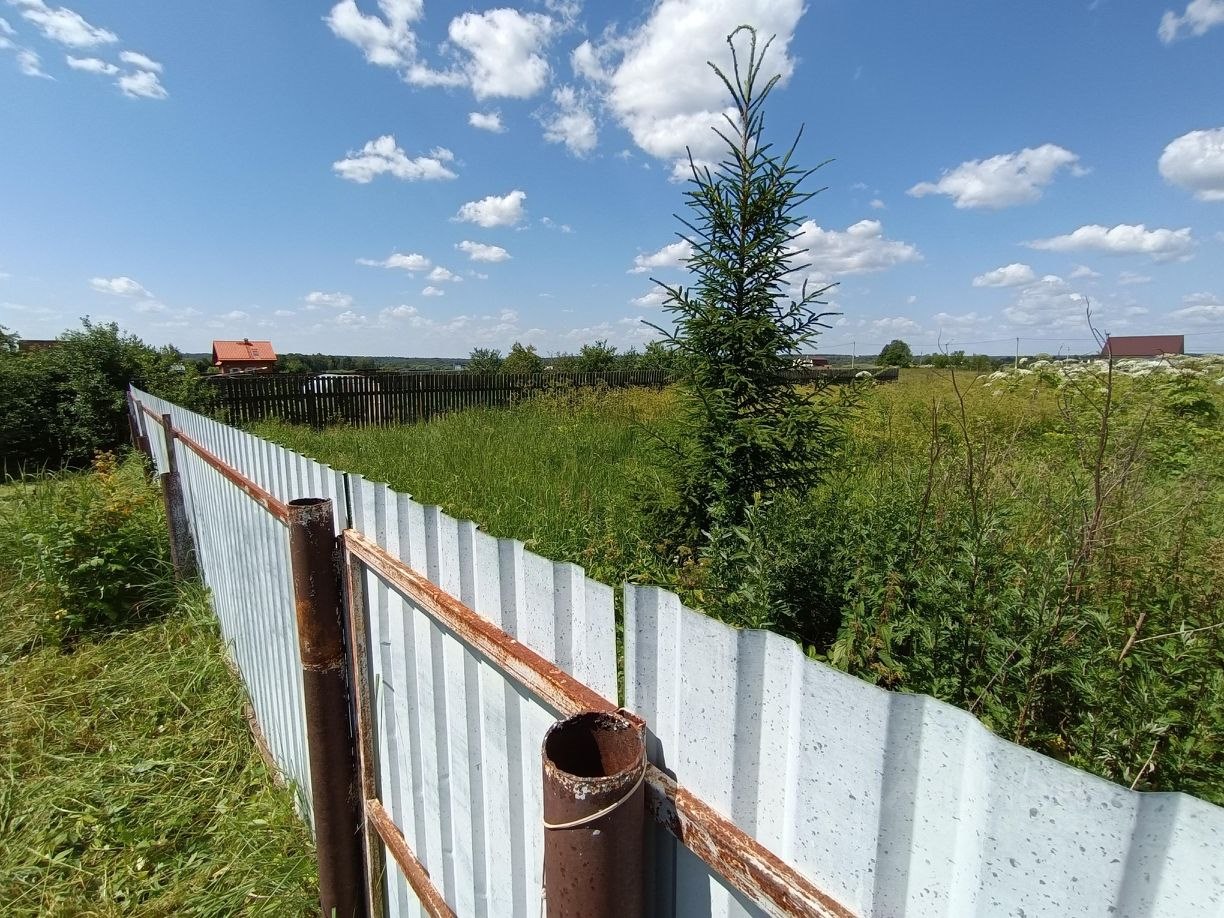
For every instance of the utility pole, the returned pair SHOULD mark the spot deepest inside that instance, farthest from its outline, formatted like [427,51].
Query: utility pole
[1017,352]
[853,354]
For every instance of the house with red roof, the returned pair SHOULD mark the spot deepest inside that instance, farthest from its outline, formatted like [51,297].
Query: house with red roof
[1143,345]
[245,356]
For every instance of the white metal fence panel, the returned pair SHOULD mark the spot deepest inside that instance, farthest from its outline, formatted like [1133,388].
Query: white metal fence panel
[458,744]
[893,804]
[243,552]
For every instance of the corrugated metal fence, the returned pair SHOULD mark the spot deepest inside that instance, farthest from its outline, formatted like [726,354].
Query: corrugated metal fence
[889,804]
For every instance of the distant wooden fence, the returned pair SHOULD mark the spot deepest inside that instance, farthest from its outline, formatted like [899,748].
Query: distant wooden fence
[365,399]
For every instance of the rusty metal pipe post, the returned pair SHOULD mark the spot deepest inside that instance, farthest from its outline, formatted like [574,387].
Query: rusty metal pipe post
[182,544]
[329,737]
[594,817]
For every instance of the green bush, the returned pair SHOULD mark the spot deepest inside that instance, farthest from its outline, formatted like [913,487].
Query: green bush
[91,549]
[61,405]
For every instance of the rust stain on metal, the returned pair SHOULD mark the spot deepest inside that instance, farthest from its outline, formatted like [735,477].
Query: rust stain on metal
[747,864]
[549,682]
[414,872]
[277,508]
[594,818]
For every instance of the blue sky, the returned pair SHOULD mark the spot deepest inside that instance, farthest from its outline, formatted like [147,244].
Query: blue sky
[413,177]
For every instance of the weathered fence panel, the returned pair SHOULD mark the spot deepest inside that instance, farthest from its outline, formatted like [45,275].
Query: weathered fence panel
[364,399]
[893,804]
[889,804]
[458,743]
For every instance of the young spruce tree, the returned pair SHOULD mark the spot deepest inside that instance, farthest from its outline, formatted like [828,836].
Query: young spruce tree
[748,433]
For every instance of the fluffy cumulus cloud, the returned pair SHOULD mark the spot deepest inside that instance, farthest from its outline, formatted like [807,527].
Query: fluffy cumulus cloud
[1000,181]
[504,51]
[672,255]
[140,61]
[405,261]
[650,299]
[1050,303]
[654,79]
[1083,271]
[384,157]
[29,63]
[1195,161]
[505,210]
[143,84]
[63,26]
[1196,19]
[441,275]
[120,286]
[433,291]
[92,65]
[1201,309]
[318,298]
[1012,275]
[487,121]
[572,122]
[386,40]
[1124,239]
[894,325]
[860,249]
[478,251]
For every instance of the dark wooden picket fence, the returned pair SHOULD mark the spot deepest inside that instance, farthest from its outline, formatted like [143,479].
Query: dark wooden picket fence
[380,399]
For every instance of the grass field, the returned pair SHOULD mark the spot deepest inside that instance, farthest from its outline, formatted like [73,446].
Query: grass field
[1044,549]
[129,784]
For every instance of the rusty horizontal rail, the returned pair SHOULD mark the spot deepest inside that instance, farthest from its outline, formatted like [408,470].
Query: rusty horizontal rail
[546,680]
[276,507]
[745,863]
[414,871]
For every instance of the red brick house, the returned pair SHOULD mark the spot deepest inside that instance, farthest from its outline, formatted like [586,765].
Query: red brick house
[1143,345]
[245,356]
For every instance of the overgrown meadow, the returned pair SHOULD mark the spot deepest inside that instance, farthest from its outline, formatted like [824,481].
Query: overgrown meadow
[1044,548]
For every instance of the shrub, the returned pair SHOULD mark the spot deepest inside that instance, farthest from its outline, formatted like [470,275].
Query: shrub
[91,548]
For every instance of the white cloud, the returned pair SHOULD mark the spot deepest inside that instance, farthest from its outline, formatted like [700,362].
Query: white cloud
[119,286]
[1012,275]
[487,121]
[143,84]
[653,298]
[383,156]
[441,275]
[655,79]
[399,312]
[283,313]
[505,210]
[433,291]
[1049,302]
[92,65]
[1000,181]
[1201,309]
[335,300]
[1083,271]
[6,29]
[504,51]
[877,204]
[351,319]
[673,255]
[861,249]
[895,325]
[385,42]
[409,262]
[1200,15]
[1130,278]
[29,64]
[63,25]
[1195,161]
[953,322]
[572,123]
[1123,239]
[478,251]
[139,61]
[234,315]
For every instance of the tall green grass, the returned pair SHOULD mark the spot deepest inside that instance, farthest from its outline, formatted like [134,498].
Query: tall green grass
[129,784]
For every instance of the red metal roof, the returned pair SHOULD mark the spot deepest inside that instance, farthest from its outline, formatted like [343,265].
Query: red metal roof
[1143,345]
[246,349]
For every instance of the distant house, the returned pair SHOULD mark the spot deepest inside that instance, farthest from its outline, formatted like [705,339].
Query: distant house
[811,361]
[1143,345]
[245,356]
[30,345]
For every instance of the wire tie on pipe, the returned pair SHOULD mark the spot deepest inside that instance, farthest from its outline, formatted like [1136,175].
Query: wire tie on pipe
[601,813]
